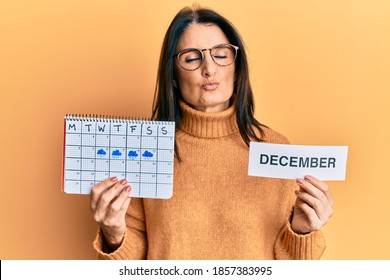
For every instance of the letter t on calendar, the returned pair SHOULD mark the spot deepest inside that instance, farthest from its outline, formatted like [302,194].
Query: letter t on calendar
[296,161]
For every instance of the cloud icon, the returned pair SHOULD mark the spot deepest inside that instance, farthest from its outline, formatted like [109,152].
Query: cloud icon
[101,153]
[147,154]
[116,153]
[133,154]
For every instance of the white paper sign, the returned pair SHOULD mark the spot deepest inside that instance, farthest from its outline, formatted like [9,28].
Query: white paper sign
[297,161]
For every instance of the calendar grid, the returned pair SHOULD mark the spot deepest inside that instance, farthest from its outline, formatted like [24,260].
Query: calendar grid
[109,150]
[157,163]
[81,166]
[94,174]
[126,149]
[140,151]
[140,165]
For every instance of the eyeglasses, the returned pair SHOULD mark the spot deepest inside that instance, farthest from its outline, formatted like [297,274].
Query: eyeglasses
[192,59]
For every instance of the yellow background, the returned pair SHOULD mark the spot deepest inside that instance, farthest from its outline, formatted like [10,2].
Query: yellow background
[320,72]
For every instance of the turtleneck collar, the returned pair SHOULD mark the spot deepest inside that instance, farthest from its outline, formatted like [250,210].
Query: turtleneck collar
[208,125]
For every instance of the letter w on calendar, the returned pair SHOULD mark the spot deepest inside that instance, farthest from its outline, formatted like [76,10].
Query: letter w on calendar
[296,161]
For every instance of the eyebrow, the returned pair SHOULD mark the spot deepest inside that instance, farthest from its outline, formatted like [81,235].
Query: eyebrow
[180,50]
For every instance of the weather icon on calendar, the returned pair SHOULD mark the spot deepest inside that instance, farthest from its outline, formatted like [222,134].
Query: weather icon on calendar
[132,155]
[101,153]
[116,154]
[147,154]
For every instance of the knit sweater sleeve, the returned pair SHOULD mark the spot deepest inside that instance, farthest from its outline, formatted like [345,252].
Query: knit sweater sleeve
[134,244]
[292,246]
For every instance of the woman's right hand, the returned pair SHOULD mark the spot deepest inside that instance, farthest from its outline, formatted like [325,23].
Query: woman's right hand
[109,202]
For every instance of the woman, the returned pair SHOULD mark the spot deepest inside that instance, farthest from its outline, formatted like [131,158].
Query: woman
[217,211]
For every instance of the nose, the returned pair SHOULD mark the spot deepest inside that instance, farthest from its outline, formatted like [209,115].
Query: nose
[209,67]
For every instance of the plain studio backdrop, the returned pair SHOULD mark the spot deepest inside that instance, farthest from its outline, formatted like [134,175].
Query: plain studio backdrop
[319,69]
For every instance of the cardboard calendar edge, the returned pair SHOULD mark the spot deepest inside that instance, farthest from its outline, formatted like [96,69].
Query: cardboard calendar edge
[63,159]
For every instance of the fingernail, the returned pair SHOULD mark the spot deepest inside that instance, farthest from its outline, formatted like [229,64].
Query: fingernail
[128,188]
[308,178]
[114,179]
[124,182]
[300,181]
[297,192]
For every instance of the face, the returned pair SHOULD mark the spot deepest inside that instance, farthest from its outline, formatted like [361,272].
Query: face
[210,87]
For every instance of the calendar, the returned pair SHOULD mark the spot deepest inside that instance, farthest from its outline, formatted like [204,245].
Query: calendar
[96,148]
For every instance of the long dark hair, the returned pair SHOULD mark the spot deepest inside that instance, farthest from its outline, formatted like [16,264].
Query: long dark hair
[166,98]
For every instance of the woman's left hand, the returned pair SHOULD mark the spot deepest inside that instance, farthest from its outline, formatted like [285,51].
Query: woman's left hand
[313,206]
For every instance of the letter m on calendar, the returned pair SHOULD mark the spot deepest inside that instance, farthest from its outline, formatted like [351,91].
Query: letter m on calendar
[296,161]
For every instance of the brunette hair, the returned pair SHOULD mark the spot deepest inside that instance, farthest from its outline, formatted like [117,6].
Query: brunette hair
[167,96]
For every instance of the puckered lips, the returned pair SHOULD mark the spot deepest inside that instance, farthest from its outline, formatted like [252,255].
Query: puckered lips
[209,86]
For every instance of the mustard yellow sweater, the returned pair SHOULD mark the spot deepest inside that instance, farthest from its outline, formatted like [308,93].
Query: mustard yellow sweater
[217,211]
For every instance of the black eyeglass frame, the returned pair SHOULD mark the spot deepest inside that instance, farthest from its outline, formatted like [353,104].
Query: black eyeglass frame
[177,55]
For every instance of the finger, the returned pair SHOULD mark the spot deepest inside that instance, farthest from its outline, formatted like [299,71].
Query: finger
[98,189]
[120,205]
[314,203]
[314,223]
[312,190]
[125,206]
[322,186]
[107,197]
[325,195]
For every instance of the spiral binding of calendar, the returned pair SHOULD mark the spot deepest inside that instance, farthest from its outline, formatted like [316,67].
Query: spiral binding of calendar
[112,119]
